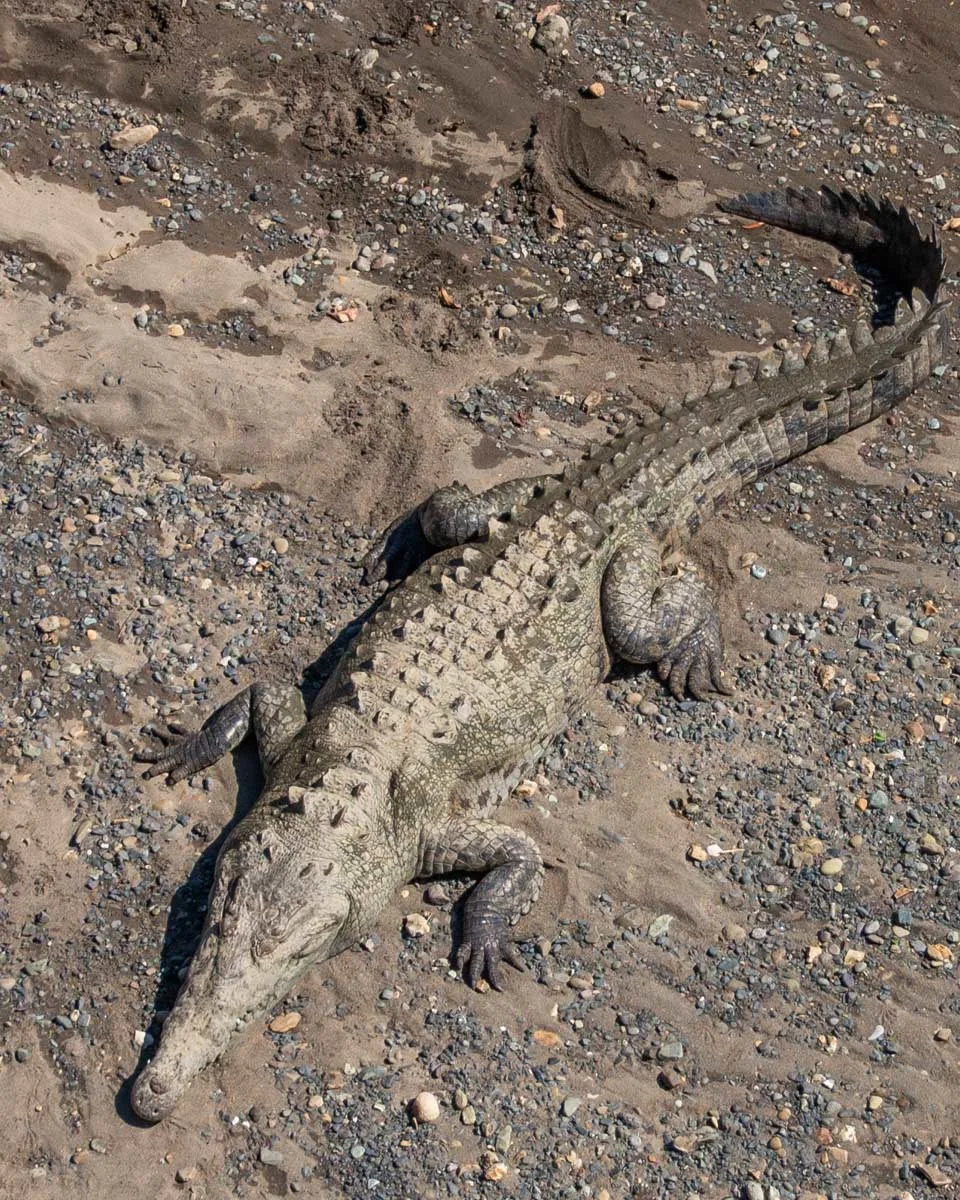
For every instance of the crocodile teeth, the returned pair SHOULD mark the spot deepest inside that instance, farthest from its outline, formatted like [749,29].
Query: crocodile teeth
[841,347]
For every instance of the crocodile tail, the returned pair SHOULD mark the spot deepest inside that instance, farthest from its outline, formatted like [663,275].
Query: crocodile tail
[747,426]
[876,232]
[913,338]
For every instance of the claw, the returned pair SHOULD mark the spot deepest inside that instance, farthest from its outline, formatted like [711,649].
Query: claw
[483,956]
[698,681]
[400,550]
[696,664]
[174,759]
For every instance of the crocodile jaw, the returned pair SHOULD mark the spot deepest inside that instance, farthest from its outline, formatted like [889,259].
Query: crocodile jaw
[273,914]
[226,988]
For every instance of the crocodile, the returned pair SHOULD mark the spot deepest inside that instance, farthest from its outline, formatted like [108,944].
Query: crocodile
[477,657]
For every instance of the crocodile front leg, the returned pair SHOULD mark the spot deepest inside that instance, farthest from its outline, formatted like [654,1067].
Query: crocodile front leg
[274,713]
[513,877]
[452,516]
[667,620]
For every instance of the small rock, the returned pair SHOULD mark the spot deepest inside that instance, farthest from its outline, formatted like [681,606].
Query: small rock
[285,1022]
[552,34]
[933,1175]
[133,136]
[270,1158]
[570,1105]
[659,926]
[425,1108]
[415,925]
[831,866]
[281,545]
[595,90]
[654,301]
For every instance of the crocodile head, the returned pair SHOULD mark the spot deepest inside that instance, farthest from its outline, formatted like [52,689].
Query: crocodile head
[278,905]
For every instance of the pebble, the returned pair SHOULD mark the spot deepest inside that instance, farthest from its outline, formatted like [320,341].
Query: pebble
[270,1158]
[133,137]
[416,925]
[285,1023]
[655,301]
[552,34]
[570,1105]
[425,1107]
[659,926]
[933,1175]
[832,866]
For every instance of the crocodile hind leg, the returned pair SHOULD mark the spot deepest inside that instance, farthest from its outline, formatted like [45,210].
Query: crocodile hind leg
[667,620]
[511,883]
[274,713]
[452,516]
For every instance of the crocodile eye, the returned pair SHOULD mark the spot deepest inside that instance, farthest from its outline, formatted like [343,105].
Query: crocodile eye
[264,946]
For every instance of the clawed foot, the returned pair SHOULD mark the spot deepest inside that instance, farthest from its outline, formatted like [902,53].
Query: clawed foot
[485,946]
[696,665]
[400,550]
[178,755]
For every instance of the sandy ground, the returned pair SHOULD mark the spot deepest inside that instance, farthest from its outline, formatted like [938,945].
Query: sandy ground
[368,249]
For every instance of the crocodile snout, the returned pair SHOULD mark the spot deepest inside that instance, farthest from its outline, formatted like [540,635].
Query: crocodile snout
[153,1097]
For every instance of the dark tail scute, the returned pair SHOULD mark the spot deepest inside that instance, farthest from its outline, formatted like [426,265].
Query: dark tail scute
[748,426]
[877,232]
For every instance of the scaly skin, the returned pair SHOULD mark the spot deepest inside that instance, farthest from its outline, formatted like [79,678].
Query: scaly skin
[472,665]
